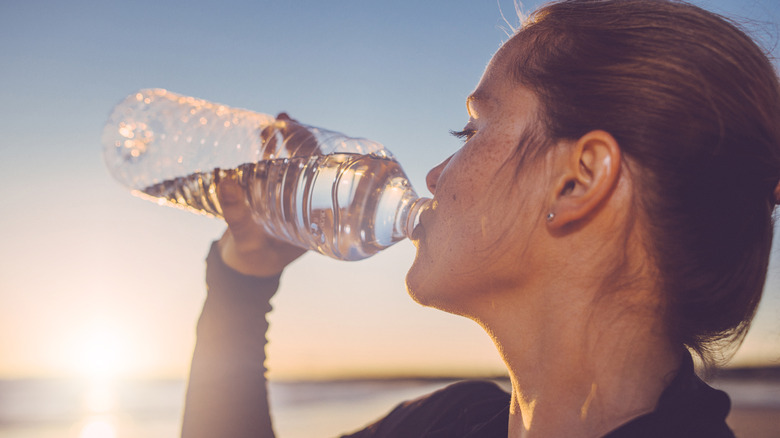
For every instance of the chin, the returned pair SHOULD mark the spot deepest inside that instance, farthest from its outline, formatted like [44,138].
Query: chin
[421,291]
[429,287]
[414,287]
[429,295]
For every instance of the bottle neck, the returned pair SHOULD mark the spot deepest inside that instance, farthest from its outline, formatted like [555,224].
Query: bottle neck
[413,213]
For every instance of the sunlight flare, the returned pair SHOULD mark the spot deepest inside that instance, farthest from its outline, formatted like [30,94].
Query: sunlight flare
[98,428]
[100,352]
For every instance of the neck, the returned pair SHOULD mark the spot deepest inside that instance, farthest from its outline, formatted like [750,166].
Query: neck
[586,371]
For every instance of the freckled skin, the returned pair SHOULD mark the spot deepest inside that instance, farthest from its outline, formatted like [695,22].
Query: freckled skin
[487,251]
[475,238]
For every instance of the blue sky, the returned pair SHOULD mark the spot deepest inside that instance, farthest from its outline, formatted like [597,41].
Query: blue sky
[81,256]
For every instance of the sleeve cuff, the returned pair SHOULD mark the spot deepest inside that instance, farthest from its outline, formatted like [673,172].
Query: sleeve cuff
[222,279]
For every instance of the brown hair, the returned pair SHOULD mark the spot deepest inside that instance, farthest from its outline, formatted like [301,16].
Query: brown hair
[695,104]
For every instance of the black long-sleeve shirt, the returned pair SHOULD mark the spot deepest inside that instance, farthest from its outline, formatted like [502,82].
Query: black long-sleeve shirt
[227,393]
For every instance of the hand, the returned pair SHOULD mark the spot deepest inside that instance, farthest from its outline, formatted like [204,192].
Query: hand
[287,138]
[245,246]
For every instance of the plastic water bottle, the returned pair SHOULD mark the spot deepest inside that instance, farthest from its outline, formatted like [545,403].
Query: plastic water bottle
[344,197]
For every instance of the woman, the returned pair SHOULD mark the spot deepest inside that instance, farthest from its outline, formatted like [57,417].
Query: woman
[610,211]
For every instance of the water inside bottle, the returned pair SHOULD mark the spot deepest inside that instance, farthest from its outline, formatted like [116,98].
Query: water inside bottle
[347,206]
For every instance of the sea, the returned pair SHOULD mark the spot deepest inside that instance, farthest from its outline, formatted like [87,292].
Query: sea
[54,408]
[153,408]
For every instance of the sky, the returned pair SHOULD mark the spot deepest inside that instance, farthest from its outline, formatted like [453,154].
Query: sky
[95,280]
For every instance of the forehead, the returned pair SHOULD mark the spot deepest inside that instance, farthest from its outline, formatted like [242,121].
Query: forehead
[516,50]
[498,81]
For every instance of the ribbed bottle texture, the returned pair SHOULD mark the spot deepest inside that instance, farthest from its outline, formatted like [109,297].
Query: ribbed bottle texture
[344,197]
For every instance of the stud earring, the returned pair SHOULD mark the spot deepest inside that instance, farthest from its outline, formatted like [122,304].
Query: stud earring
[550,216]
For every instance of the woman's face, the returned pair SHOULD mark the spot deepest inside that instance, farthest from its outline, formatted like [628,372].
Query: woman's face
[476,240]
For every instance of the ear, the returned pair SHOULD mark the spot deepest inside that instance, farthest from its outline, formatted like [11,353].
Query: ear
[591,168]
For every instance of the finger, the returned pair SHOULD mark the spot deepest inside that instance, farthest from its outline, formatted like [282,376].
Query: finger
[245,246]
[273,136]
[235,208]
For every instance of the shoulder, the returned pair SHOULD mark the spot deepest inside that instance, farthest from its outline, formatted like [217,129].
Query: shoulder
[467,391]
[687,408]
[467,398]
[456,409]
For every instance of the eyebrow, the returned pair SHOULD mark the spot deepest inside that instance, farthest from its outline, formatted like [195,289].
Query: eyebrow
[476,97]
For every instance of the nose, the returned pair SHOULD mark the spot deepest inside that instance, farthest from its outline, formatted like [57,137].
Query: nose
[432,179]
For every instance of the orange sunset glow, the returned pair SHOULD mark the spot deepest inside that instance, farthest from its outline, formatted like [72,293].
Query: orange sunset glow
[101,291]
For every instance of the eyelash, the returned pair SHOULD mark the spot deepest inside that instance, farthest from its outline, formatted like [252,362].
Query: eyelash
[464,135]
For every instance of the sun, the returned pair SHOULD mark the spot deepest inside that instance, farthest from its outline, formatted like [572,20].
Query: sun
[100,352]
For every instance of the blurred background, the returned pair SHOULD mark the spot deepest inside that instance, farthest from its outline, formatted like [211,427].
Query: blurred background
[100,291]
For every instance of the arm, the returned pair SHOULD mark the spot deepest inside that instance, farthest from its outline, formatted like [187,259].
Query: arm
[226,392]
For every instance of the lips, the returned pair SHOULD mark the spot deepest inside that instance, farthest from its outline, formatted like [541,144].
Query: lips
[419,230]
[418,233]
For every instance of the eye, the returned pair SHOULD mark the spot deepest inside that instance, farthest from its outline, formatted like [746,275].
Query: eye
[465,134]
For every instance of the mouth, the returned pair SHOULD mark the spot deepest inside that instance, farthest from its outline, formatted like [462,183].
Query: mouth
[412,215]
[417,234]
[419,231]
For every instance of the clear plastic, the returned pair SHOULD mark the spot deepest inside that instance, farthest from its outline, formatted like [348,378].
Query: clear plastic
[345,197]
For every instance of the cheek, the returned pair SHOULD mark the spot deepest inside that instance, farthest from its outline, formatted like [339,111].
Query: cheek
[488,230]
[461,213]
[478,231]
[469,175]
[478,220]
